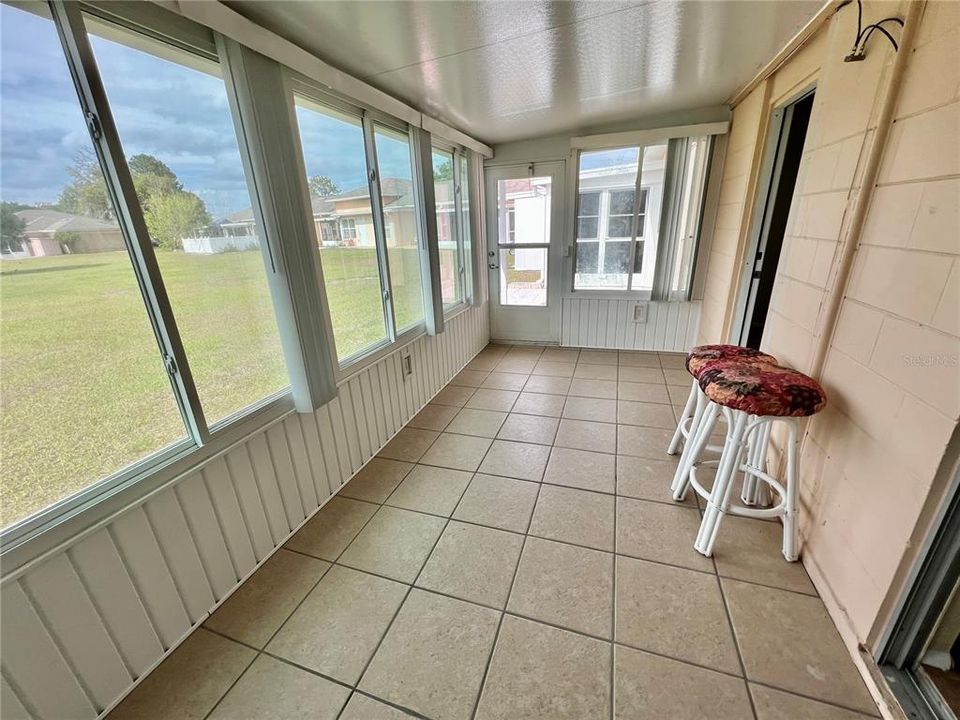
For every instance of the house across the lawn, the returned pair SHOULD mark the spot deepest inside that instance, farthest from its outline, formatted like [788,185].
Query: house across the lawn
[52,232]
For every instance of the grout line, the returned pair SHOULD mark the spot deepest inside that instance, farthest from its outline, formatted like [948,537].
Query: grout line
[736,644]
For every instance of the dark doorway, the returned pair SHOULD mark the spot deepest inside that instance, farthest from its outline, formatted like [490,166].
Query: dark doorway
[792,132]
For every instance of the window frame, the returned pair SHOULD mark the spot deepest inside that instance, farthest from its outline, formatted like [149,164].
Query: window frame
[203,441]
[665,262]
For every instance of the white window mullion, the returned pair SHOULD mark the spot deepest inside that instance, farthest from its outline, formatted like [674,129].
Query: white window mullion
[380,238]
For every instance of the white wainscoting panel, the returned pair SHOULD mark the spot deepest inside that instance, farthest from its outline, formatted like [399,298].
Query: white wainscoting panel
[83,625]
[609,323]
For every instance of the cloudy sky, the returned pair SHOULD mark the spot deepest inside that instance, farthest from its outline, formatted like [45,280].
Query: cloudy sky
[174,112]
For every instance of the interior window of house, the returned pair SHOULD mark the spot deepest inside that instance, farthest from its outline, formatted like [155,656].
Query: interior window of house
[395,170]
[336,165]
[620,196]
[451,289]
[463,191]
[83,388]
[171,111]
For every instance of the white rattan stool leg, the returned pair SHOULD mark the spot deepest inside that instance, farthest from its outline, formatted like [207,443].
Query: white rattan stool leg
[678,435]
[791,529]
[690,454]
[723,484]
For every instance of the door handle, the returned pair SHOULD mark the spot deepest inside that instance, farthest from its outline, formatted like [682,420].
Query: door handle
[492,266]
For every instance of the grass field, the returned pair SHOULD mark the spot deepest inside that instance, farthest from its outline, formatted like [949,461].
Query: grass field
[82,387]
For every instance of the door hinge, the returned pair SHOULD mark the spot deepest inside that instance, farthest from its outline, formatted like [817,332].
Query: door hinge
[93,124]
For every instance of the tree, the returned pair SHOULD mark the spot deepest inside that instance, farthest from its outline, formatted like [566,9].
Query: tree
[87,193]
[321,186]
[11,228]
[175,216]
[443,172]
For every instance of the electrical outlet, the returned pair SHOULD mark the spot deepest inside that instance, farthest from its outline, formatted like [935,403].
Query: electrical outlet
[640,313]
[406,363]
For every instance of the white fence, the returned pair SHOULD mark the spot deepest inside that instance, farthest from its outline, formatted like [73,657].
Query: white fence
[214,245]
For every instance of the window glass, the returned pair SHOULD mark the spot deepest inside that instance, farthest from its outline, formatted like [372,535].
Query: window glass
[523,218]
[465,231]
[651,180]
[607,187]
[177,131]
[443,189]
[400,225]
[83,388]
[336,164]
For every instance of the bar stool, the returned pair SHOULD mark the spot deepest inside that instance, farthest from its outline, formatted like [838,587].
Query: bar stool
[753,396]
[698,359]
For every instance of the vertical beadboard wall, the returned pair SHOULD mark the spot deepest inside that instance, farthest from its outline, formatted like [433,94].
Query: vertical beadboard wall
[602,323]
[82,626]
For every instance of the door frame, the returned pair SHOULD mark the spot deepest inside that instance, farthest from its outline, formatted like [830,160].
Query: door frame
[767,182]
[551,312]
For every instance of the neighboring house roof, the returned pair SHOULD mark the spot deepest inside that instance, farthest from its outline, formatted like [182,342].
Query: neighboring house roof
[45,220]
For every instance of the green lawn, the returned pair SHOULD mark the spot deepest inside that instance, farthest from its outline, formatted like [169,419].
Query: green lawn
[82,389]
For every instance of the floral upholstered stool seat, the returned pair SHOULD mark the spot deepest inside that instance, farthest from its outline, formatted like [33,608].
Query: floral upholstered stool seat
[698,360]
[753,397]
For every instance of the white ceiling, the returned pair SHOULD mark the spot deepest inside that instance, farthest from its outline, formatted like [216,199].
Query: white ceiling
[509,70]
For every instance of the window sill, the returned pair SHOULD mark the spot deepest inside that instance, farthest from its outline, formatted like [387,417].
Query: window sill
[345,373]
[90,509]
[637,295]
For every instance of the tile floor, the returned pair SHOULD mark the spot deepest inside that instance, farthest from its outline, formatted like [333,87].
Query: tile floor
[514,553]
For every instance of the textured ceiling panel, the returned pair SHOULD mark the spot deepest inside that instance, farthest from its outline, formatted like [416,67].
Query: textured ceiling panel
[508,70]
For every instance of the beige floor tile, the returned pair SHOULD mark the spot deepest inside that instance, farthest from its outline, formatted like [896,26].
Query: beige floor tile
[643,392]
[749,549]
[498,502]
[433,656]
[430,489]
[376,480]
[587,435]
[565,585]
[189,682]
[473,563]
[788,641]
[337,628]
[574,516]
[433,417]
[647,479]
[659,532]
[524,461]
[554,369]
[678,394]
[274,690]
[595,409]
[547,385]
[505,381]
[674,612]
[778,705]
[641,374]
[454,395]
[362,707]
[676,376]
[529,428]
[594,388]
[530,403]
[647,686]
[539,672]
[395,543]
[328,533]
[655,415]
[487,399]
[638,359]
[581,469]
[520,365]
[568,355]
[483,423]
[409,444]
[673,360]
[643,441]
[588,371]
[599,357]
[258,607]
[460,452]
[469,378]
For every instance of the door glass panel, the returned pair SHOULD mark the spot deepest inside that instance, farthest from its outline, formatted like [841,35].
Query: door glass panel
[523,276]
[523,211]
